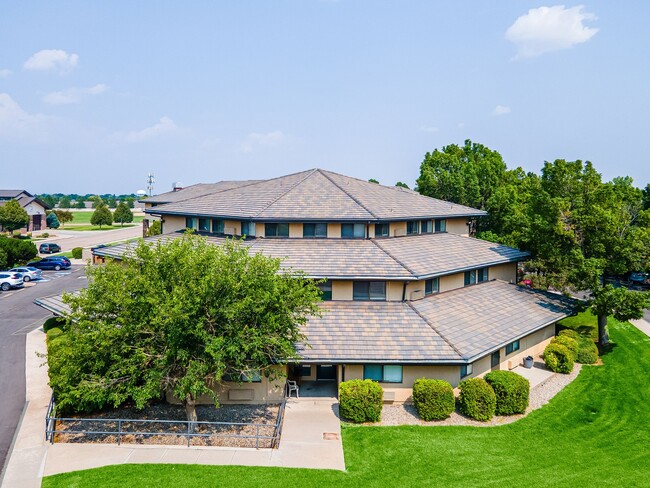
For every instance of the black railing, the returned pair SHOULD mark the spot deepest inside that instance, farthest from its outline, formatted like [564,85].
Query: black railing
[265,435]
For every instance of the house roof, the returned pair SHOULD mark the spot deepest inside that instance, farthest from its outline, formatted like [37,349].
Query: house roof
[315,195]
[194,191]
[395,258]
[454,327]
[11,194]
[458,326]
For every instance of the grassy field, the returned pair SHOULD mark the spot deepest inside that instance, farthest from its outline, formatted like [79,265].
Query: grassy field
[83,218]
[593,433]
[96,227]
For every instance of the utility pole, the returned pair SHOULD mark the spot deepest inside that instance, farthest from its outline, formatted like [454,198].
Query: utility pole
[150,182]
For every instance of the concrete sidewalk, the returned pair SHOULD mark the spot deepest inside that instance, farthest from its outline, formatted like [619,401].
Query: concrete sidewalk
[643,325]
[311,438]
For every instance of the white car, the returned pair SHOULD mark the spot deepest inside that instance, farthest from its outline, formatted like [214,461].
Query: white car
[10,279]
[28,273]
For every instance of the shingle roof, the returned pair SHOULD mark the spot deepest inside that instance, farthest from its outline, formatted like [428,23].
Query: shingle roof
[197,190]
[11,193]
[457,326]
[405,258]
[316,195]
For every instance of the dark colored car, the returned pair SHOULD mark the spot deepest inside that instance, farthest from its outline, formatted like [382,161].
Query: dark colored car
[54,262]
[49,248]
[639,278]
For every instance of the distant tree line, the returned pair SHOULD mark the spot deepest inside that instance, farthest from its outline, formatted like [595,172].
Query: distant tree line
[75,200]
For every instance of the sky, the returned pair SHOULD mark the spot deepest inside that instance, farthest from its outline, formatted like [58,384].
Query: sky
[96,95]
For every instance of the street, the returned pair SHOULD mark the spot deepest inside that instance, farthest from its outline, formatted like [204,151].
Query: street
[69,239]
[18,316]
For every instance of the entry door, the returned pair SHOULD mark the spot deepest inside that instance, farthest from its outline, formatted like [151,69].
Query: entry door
[37,222]
[326,372]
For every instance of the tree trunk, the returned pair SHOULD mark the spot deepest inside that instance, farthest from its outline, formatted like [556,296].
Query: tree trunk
[603,335]
[190,408]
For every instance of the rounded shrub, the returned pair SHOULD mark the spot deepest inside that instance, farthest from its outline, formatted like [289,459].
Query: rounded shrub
[569,333]
[558,358]
[566,341]
[53,322]
[77,252]
[587,354]
[360,400]
[511,390]
[433,399]
[477,399]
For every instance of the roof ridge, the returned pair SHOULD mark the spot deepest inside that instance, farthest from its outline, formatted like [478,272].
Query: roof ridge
[309,173]
[413,273]
[324,173]
[408,304]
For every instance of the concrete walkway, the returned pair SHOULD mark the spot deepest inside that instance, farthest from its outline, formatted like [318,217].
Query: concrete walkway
[643,325]
[311,438]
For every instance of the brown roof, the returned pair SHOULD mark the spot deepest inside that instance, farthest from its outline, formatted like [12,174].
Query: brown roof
[196,190]
[394,258]
[316,195]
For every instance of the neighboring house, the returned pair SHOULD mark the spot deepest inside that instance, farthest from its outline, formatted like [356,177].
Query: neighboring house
[408,293]
[35,207]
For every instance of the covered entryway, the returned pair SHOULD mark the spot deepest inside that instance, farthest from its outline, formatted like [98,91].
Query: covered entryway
[326,372]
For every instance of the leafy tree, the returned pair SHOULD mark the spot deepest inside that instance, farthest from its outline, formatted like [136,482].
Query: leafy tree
[123,214]
[155,228]
[101,216]
[97,201]
[620,303]
[130,201]
[17,251]
[80,203]
[64,216]
[3,259]
[372,180]
[177,316]
[48,199]
[112,202]
[65,202]
[52,220]
[13,216]
[402,185]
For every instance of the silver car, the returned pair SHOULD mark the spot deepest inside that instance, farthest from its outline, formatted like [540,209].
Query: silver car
[28,272]
[10,279]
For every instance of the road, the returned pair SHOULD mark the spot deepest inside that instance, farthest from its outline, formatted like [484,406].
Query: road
[69,239]
[18,316]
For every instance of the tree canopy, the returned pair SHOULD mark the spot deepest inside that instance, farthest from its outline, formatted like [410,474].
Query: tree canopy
[123,214]
[13,216]
[52,220]
[101,216]
[177,316]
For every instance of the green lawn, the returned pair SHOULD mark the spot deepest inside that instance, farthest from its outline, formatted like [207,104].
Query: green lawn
[81,217]
[594,433]
[96,227]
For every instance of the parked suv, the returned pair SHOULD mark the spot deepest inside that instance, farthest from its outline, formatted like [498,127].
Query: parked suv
[10,279]
[53,262]
[49,248]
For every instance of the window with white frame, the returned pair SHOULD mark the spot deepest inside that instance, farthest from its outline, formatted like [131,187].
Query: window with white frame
[353,231]
[466,370]
[383,373]
[512,347]
[441,225]
[413,227]
[369,290]
[314,230]
[431,286]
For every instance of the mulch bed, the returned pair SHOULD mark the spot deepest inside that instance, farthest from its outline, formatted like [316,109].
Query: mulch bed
[175,433]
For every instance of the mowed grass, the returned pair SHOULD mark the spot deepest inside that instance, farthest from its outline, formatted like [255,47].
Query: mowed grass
[594,433]
[82,217]
[96,227]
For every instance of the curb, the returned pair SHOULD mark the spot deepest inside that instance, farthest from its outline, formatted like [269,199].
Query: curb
[13,443]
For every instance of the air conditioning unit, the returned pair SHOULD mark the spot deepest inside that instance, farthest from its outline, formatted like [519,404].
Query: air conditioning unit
[416,295]
[399,232]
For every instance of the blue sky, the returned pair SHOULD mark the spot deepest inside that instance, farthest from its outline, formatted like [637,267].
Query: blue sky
[95,95]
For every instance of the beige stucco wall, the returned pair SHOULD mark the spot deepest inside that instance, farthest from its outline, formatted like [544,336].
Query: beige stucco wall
[451,282]
[504,272]
[397,229]
[416,288]
[341,290]
[394,290]
[334,230]
[457,226]
[259,229]
[173,223]
[295,230]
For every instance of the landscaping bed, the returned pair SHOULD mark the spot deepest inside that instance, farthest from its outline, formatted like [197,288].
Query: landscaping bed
[175,432]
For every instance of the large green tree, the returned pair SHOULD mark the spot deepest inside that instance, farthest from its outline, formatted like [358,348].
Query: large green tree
[65,202]
[64,216]
[177,316]
[13,216]
[123,214]
[101,216]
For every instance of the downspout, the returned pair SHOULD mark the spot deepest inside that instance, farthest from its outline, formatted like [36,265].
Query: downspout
[404,292]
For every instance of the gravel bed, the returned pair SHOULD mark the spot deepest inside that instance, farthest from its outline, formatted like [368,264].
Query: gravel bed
[406,414]
[264,416]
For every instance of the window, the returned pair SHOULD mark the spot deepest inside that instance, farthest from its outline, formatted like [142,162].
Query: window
[482,275]
[314,230]
[476,276]
[465,370]
[217,226]
[253,376]
[441,225]
[190,222]
[495,359]
[369,290]
[512,347]
[431,286]
[326,289]
[382,230]
[354,231]
[426,226]
[302,370]
[388,373]
[470,277]
[276,230]
[204,224]
[248,228]
[413,227]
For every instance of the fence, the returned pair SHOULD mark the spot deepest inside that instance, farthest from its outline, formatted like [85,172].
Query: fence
[263,435]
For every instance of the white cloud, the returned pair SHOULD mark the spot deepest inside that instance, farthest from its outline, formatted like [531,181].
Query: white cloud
[547,29]
[73,95]
[256,139]
[430,130]
[501,110]
[18,124]
[165,126]
[51,59]
[5,73]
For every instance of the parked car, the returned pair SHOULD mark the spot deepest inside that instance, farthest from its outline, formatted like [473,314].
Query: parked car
[28,273]
[52,262]
[10,279]
[639,278]
[49,248]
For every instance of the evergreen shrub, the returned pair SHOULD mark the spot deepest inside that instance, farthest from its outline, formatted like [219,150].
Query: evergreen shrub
[511,390]
[477,399]
[433,399]
[360,400]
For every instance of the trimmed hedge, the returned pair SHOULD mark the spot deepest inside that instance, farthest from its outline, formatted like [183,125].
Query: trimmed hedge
[511,390]
[477,399]
[77,252]
[433,399]
[570,333]
[587,354]
[361,400]
[566,341]
[558,358]
[53,322]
